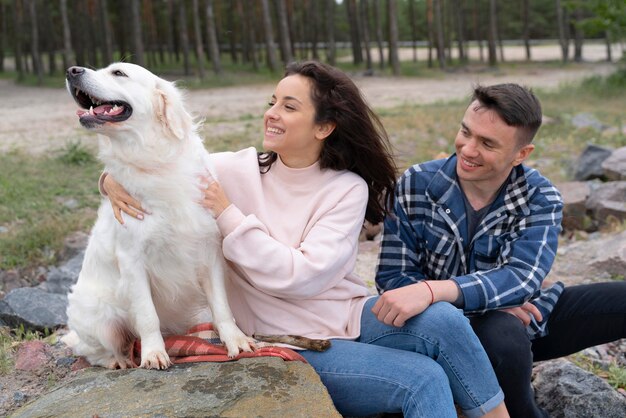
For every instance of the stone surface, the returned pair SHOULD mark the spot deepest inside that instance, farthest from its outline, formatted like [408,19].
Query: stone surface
[34,308]
[587,120]
[32,355]
[608,201]
[567,391]
[615,165]
[589,164]
[60,280]
[260,387]
[575,194]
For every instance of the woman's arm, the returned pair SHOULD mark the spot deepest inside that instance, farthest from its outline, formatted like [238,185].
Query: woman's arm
[120,200]
[318,263]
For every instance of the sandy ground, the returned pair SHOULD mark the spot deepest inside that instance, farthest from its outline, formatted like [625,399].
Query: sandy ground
[38,120]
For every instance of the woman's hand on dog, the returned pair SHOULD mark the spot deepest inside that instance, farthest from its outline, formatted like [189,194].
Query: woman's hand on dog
[213,197]
[121,201]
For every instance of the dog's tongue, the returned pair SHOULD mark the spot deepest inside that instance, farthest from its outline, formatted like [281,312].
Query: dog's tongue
[105,109]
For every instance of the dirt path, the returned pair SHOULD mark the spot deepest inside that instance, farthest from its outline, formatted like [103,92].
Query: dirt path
[42,119]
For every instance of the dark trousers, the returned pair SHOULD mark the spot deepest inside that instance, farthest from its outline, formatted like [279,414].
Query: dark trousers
[584,316]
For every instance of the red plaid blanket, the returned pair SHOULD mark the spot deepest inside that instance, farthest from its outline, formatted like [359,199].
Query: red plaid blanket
[202,343]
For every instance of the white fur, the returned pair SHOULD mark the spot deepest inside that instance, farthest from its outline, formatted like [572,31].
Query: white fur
[159,275]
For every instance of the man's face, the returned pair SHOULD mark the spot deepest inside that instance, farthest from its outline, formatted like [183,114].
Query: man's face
[487,149]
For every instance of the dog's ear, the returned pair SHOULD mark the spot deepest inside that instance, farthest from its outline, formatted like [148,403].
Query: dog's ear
[170,110]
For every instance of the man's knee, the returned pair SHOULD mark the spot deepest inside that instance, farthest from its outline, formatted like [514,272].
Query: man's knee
[504,338]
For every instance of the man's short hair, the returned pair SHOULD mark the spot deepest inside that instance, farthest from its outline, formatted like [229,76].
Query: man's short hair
[516,105]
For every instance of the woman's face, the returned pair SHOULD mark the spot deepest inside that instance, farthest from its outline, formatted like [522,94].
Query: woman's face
[290,128]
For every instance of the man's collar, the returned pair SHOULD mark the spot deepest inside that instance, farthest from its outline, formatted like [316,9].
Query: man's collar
[445,185]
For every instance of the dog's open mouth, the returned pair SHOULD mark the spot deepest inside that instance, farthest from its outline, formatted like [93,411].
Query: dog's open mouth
[96,111]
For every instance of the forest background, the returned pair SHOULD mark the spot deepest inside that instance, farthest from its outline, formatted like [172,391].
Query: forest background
[39,39]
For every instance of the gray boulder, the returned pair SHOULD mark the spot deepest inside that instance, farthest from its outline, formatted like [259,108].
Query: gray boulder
[575,194]
[567,391]
[608,200]
[34,309]
[259,387]
[589,164]
[60,280]
[614,166]
[587,120]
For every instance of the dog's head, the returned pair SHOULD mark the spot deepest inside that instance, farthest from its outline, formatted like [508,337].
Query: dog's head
[126,96]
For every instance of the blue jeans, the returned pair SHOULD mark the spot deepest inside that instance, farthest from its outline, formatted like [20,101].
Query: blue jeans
[420,369]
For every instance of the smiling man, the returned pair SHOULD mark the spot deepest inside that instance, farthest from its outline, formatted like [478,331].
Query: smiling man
[480,230]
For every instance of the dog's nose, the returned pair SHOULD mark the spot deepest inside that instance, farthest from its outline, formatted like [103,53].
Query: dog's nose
[74,72]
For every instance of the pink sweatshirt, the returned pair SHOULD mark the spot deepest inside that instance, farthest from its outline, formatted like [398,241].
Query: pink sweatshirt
[291,239]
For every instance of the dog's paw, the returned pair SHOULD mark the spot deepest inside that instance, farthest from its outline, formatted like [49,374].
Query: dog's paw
[121,364]
[234,339]
[155,360]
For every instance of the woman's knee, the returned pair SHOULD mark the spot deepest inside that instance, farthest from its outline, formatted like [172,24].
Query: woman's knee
[445,319]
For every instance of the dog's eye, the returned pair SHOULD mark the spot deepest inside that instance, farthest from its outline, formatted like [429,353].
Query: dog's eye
[118,73]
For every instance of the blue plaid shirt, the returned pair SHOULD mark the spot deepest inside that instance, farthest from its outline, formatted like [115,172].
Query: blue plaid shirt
[503,265]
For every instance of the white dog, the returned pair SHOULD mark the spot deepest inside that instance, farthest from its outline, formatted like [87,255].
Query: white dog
[159,275]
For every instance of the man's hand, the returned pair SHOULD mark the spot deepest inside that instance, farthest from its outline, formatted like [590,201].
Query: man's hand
[121,201]
[395,307]
[525,312]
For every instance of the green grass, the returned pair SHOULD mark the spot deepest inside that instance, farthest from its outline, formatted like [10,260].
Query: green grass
[42,200]
[9,339]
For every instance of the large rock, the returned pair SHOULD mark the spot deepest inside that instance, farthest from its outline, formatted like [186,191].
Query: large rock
[60,280]
[34,309]
[575,194]
[567,391]
[601,257]
[589,164]
[608,201]
[259,387]
[615,165]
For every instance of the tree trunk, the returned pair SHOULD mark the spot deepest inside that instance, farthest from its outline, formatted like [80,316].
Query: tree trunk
[526,27]
[3,33]
[413,23]
[438,15]
[172,23]
[430,28]
[49,42]
[34,41]
[212,38]
[493,33]
[460,36]
[67,36]
[197,34]
[270,46]
[563,39]
[314,30]
[285,40]
[379,34]
[184,38]
[579,35]
[477,32]
[365,30]
[330,32]
[607,40]
[499,37]
[355,37]
[250,18]
[392,15]
[232,38]
[105,33]
[137,40]
[18,29]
